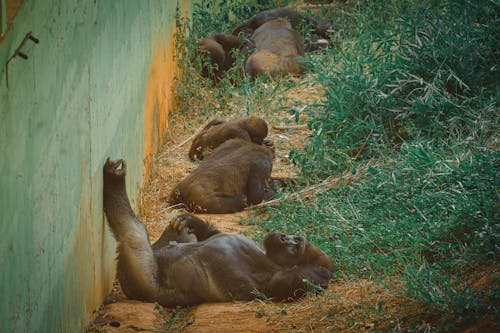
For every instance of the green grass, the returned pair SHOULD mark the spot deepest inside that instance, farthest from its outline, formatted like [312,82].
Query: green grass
[412,89]
[422,206]
[417,97]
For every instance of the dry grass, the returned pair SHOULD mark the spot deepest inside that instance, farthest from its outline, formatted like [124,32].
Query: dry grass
[172,164]
[309,191]
[347,306]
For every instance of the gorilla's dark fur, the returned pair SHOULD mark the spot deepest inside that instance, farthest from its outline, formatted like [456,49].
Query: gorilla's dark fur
[234,175]
[216,50]
[218,131]
[193,263]
[278,47]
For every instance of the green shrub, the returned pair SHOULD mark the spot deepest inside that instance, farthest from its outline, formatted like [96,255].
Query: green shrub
[423,206]
[433,76]
[413,96]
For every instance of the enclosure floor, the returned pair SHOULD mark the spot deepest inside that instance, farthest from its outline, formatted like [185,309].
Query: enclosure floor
[347,306]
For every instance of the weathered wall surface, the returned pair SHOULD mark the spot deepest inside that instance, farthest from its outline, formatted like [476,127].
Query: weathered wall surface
[96,85]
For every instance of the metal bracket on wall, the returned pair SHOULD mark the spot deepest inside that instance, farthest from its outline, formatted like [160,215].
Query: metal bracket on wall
[18,52]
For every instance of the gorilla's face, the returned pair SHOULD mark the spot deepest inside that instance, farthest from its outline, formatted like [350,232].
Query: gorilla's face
[285,250]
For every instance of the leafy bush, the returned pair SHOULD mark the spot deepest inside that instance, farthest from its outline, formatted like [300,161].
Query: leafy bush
[433,76]
[422,206]
[414,97]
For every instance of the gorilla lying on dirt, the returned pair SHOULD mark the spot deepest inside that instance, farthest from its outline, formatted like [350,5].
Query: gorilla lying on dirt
[193,263]
[320,29]
[278,47]
[218,131]
[217,49]
[281,45]
[234,175]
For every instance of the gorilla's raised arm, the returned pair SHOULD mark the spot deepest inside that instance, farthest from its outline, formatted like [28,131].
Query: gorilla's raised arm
[137,268]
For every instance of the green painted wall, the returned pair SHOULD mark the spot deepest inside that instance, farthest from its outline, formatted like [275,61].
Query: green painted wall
[78,98]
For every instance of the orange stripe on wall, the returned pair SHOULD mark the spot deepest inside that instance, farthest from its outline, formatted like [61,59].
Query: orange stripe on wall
[159,97]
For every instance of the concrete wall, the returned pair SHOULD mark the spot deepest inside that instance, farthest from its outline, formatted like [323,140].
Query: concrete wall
[97,85]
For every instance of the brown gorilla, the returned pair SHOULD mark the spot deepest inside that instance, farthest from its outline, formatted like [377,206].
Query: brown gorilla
[296,19]
[217,131]
[277,49]
[213,266]
[235,174]
[217,50]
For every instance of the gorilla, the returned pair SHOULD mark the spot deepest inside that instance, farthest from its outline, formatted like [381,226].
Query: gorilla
[217,50]
[234,175]
[296,19]
[217,131]
[193,262]
[278,47]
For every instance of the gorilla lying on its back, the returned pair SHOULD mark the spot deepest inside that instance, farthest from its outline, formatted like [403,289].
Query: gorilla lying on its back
[193,263]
